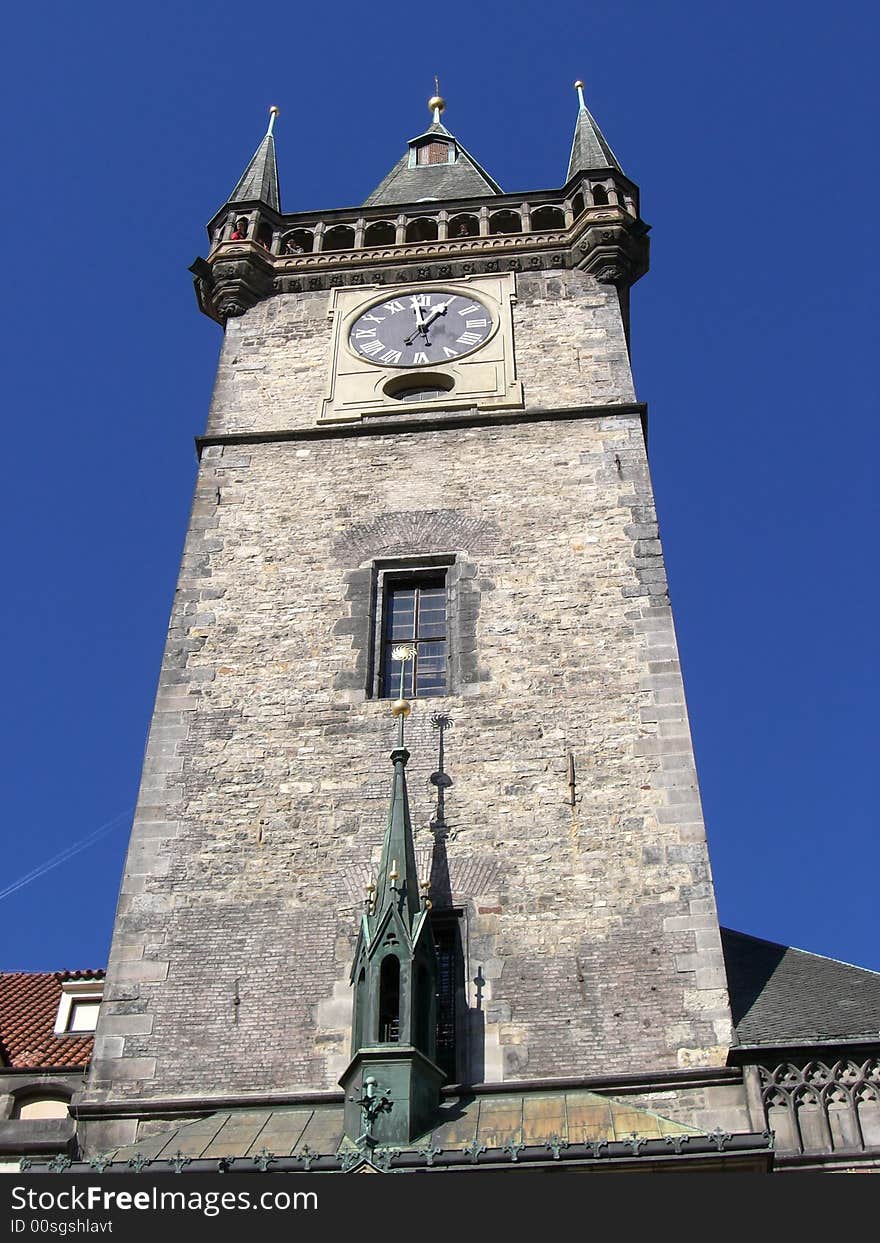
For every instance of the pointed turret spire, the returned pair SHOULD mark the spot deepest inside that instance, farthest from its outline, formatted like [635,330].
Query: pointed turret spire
[394,973]
[259,181]
[398,883]
[436,166]
[589,149]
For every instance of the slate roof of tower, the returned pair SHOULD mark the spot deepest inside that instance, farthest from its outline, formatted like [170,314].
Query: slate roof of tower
[589,148]
[463,179]
[259,181]
[28,1008]
[781,995]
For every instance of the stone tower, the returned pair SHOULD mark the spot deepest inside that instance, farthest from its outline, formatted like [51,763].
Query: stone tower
[423,431]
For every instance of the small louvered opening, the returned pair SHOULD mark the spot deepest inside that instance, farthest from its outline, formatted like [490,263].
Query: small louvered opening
[433,153]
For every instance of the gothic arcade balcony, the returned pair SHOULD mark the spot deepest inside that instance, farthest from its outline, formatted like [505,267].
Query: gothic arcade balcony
[592,222]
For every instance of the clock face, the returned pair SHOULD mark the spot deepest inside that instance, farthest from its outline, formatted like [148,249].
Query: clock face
[419,329]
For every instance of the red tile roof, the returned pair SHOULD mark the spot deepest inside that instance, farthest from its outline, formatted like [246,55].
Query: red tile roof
[28,1009]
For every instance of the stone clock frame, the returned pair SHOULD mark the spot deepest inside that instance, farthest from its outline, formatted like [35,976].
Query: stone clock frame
[485,379]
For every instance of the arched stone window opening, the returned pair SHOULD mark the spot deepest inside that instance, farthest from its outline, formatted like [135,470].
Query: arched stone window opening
[389,1000]
[463,226]
[264,235]
[41,1105]
[600,196]
[424,386]
[505,222]
[298,242]
[548,218]
[340,237]
[380,233]
[422,229]
[578,205]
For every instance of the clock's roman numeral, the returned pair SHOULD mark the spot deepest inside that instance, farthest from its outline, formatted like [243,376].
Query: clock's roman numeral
[393,307]
[450,353]
[469,338]
[373,347]
[469,310]
[393,356]
[365,332]
[477,323]
[420,299]
[376,319]
[420,358]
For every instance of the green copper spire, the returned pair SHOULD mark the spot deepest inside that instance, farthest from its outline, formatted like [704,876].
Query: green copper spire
[259,181]
[394,973]
[398,884]
[589,149]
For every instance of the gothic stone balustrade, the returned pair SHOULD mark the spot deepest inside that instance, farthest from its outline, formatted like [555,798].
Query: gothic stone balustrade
[591,223]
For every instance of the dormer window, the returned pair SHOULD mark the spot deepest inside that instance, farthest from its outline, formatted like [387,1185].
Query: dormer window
[434,152]
[78,1008]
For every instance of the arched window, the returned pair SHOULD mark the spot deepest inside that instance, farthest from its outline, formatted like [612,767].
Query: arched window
[264,235]
[380,233]
[548,218]
[40,1105]
[422,229]
[505,222]
[600,196]
[463,226]
[577,205]
[341,237]
[389,1000]
[298,242]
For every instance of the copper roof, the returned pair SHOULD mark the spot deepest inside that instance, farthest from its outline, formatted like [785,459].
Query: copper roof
[28,1009]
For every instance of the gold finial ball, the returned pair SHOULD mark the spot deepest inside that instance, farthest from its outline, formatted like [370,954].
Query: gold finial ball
[400,707]
[436,103]
[579,86]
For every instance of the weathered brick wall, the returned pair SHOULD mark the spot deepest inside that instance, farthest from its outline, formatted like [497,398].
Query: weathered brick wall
[591,934]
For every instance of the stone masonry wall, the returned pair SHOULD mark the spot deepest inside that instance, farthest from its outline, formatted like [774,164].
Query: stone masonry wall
[591,934]
[570,351]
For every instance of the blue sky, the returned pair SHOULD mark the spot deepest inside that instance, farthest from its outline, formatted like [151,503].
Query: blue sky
[750,130]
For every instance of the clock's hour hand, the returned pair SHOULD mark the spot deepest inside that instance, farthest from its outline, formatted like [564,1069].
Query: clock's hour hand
[435,314]
[425,324]
[419,326]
